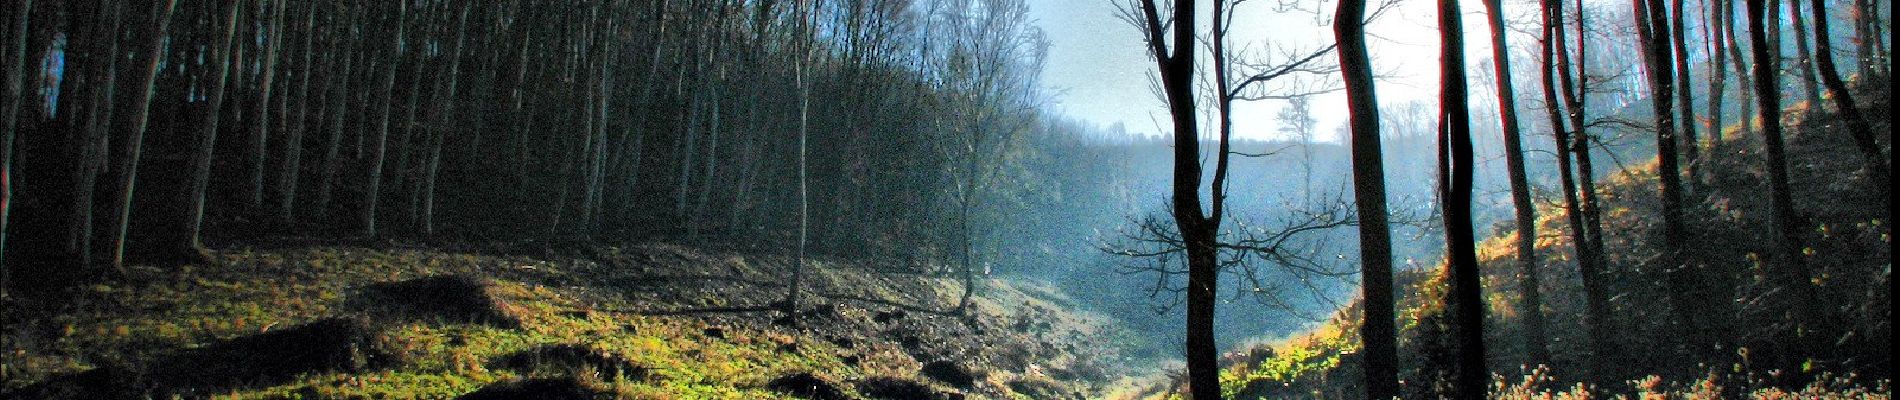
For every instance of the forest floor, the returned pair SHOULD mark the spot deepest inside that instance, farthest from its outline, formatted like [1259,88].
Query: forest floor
[548,320]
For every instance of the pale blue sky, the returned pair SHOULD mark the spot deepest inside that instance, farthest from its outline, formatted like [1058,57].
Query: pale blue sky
[1098,71]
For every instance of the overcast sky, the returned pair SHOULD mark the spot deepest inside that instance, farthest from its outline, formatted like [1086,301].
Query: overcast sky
[1098,71]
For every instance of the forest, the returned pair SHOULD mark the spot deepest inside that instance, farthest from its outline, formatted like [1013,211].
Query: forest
[945,199]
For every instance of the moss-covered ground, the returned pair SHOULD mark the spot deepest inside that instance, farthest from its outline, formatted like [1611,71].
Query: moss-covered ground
[632,321]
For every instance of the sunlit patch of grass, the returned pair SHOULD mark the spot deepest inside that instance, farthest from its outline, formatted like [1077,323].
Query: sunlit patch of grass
[128,322]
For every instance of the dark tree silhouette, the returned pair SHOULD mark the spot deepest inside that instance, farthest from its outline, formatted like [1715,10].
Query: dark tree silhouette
[1378,333]
[9,117]
[1596,306]
[129,148]
[1532,306]
[186,246]
[1857,127]
[1465,301]
[1174,59]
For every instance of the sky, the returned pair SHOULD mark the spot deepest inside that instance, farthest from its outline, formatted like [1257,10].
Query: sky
[1098,70]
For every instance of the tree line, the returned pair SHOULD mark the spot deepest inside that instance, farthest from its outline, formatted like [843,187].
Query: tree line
[145,127]
[1698,291]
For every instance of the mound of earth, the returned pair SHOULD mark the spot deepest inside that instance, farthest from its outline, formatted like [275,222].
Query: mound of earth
[265,359]
[949,372]
[445,298]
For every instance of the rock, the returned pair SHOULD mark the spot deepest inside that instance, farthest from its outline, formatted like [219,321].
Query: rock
[807,386]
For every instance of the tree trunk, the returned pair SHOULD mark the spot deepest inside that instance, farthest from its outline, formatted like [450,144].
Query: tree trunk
[443,123]
[95,139]
[1685,95]
[1803,59]
[799,79]
[1596,307]
[1532,305]
[1714,32]
[373,194]
[130,148]
[1652,27]
[340,94]
[16,79]
[1747,90]
[186,247]
[1466,300]
[1857,127]
[293,144]
[1379,332]
[1788,247]
[260,138]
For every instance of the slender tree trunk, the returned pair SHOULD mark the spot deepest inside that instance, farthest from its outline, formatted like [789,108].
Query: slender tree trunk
[1596,307]
[96,140]
[1871,41]
[186,246]
[1773,27]
[413,136]
[1685,94]
[260,139]
[373,195]
[1532,303]
[161,15]
[1574,91]
[1792,271]
[16,79]
[293,144]
[1715,31]
[1175,63]
[1379,332]
[443,123]
[1803,59]
[799,69]
[1652,27]
[1746,89]
[1857,127]
[339,108]
[1466,300]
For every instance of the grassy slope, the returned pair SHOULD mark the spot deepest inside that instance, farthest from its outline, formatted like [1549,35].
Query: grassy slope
[611,300]
[1847,244]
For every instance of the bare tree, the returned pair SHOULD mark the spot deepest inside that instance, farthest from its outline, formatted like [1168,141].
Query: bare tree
[186,247]
[1379,333]
[15,80]
[1857,127]
[386,96]
[1532,306]
[1465,299]
[133,143]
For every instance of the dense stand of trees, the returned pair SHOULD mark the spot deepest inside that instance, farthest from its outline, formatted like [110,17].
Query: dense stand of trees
[611,118]
[135,131]
[1698,291]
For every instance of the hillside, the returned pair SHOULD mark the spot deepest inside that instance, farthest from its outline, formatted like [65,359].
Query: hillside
[545,320]
[1848,248]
